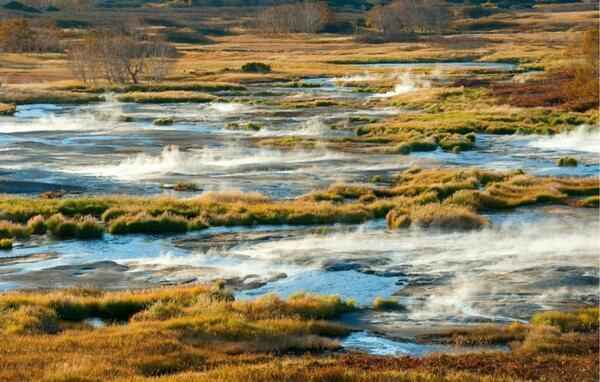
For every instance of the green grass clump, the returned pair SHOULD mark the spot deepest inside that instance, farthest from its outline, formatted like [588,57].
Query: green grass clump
[590,202]
[457,142]
[307,306]
[479,335]
[397,219]
[416,144]
[583,320]
[61,227]
[27,97]
[9,230]
[163,121]
[7,109]
[159,311]
[84,228]
[426,198]
[256,67]
[383,304]
[436,215]
[567,162]
[250,126]
[28,319]
[89,228]
[37,225]
[6,244]
[548,341]
[148,224]
[186,187]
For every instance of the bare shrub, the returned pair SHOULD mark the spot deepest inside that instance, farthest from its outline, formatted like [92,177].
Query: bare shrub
[18,35]
[305,17]
[404,18]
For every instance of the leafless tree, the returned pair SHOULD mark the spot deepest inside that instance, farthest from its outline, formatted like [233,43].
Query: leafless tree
[305,17]
[20,35]
[119,57]
[408,17]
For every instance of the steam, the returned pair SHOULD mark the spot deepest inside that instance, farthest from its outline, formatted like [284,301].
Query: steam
[228,108]
[584,138]
[172,160]
[312,127]
[364,77]
[408,83]
[52,122]
[491,272]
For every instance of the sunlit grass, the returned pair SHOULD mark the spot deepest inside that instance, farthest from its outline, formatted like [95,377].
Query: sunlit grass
[432,198]
[200,333]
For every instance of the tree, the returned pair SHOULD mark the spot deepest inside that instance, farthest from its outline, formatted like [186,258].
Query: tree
[16,35]
[405,17]
[120,57]
[20,35]
[305,17]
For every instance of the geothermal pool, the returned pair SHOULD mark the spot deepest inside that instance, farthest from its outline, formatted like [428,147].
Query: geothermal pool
[529,259]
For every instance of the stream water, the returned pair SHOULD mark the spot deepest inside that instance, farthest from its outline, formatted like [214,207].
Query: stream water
[530,259]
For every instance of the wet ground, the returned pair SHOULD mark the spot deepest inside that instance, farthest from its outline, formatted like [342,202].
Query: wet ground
[530,259]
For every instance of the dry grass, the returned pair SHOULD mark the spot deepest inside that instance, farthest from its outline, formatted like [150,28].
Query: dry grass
[22,97]
[6,244]
[446,217]
[436,198]
[7,109]
[199,333]
[191,86]
[584,320]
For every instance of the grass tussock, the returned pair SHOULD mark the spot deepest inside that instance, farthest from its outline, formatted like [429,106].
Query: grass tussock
[589,202]
[584,320]
[186,187]
[148,224]
[567,162]
[480,335]
[166,121]
[7,109]
[26,97]
[386,304]
[9,230]
[6,244]
[82,228]
[208,87]
[256,67]
[433,198]
[447,218]
[37,225]
[200,333]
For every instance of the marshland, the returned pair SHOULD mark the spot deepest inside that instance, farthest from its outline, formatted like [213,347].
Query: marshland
[299,191]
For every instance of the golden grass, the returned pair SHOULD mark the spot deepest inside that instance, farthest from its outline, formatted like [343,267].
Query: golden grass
[436,198]
[583,320]
[20,97]
[387,304]
[192,86]
[7,109]
[6,244]
[200,333]
[437,216]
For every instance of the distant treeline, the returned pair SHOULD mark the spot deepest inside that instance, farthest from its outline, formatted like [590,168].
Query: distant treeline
[510,3]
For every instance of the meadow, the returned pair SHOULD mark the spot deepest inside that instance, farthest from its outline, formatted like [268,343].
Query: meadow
[343,204]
